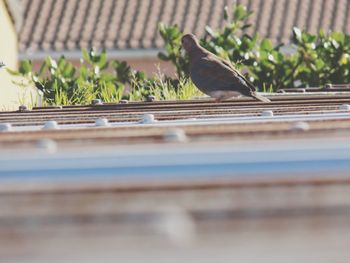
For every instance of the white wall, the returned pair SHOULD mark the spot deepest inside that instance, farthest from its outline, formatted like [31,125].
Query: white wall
[11,96]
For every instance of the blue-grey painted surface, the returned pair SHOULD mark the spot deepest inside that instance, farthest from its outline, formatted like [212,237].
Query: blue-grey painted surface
[183,160]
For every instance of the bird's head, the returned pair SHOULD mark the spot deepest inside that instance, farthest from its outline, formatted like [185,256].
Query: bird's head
[189,41]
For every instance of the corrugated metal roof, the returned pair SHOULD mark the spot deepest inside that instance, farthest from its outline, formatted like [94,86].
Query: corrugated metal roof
[99,181]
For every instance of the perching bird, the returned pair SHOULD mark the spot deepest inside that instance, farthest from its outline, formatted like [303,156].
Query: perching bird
[215,76]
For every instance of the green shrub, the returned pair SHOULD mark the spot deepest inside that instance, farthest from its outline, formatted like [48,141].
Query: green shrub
[317,60]
[62,83]
[323,59]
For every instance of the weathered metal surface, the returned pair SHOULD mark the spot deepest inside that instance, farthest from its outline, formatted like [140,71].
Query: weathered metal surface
[206,180]
[282,222]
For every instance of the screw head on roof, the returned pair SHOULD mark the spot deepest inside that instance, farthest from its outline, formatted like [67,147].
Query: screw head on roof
[5,127]
[147,118]
[344,107]
[22,108]
[299,126]
[124,101]
[96,102]
[101,122]
[51,125]
[47,145]
[267,113]
[175,135]
[150,98]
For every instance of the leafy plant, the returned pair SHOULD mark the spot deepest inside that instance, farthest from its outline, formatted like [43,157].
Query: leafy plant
[317,60]
[172,39]
[325,57]
[162,88]
[62,83]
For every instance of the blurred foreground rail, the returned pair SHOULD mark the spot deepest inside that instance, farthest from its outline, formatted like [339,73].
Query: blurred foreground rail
[177,181]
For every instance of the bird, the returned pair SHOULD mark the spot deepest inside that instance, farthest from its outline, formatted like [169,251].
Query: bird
[215,76]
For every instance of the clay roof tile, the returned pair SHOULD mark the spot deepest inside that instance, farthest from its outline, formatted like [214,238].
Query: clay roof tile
[133,24]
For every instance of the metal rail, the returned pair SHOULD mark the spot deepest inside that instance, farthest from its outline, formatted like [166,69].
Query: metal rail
[177,111]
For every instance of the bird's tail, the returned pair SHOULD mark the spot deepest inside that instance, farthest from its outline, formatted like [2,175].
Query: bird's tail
[259,97]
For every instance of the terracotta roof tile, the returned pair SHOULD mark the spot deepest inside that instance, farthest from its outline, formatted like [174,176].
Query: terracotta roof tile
[288,19]
[132,24]
[14,9]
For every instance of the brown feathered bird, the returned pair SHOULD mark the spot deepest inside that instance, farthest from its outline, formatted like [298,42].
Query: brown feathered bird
[215,76]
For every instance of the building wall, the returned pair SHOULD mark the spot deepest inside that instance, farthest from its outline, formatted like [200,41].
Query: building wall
[11,96]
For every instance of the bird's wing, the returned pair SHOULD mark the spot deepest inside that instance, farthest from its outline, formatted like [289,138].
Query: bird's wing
[227,63]
[250,85]
[221,75]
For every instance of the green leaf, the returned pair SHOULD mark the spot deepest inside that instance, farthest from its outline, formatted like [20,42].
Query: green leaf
[319,64]
[61,63]
[308,38]
[344,59]
[102,63]
[107,77]
[51,63]
[25,67]
[13,72]
[83,72]
[42,68]
[266,44]
[322,33]
[226,13]
[338,36]
[161,29]
[210,31]
[68,70]
[140,75]
[297,35]
[239,13]
[335,44]
[86,56]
